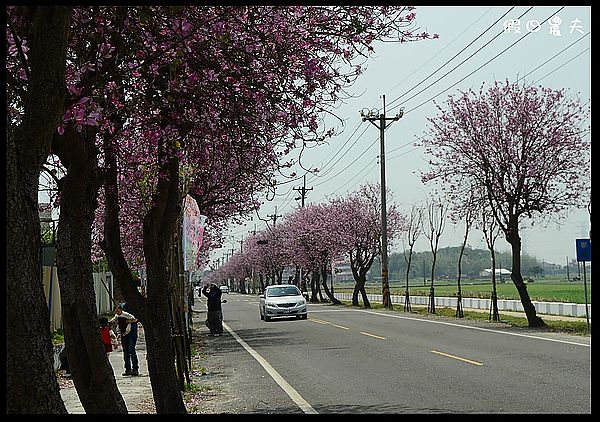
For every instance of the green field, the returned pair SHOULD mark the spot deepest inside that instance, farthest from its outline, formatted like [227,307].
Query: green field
[542,291]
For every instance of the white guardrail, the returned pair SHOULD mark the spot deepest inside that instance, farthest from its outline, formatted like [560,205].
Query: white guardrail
[548,308]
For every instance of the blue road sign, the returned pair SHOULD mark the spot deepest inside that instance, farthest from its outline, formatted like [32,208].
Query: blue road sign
[584,249]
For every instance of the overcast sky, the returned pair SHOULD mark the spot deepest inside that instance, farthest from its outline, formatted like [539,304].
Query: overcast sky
[399,72]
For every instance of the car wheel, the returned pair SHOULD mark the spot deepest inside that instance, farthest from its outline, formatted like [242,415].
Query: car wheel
[267,318]
[261,316]
[304,316]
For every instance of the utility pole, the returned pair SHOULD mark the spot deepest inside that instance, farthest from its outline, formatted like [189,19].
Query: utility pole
[274,216]
[383,125]
[252,286]
[302,196]
[303,191]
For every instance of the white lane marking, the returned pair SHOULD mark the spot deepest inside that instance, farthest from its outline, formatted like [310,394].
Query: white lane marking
[289,390]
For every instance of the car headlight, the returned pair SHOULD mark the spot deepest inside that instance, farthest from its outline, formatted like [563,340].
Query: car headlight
[301,303]
[270,304]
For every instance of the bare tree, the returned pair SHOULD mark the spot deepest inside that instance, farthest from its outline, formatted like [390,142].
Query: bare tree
[491,231]
[437,211]
[469,212]
[413,229]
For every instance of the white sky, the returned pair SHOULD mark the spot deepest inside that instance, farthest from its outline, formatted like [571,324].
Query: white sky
[396,70]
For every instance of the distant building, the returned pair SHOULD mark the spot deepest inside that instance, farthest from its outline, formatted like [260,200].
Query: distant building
[499,271]
[341,271]
[45,211]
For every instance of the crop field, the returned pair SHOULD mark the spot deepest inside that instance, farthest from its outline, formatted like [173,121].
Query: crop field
[540,290]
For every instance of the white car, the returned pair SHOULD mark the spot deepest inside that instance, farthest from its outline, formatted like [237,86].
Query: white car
[282,300]
[224,289]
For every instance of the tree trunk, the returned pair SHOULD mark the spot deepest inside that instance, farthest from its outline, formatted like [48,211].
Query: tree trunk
[359,268]
[314,284]
[459,308]
[31,385]
[406,291]
[153,310]
[159,229]
[327,291]
[387,297]
[359,287]
[92,373]
[431,303]
[494,315]
[515,242]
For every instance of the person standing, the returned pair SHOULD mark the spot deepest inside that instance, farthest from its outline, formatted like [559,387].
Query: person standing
[128,329]
[215,312]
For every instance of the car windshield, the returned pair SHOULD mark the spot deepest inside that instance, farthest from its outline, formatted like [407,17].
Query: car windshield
[282,291]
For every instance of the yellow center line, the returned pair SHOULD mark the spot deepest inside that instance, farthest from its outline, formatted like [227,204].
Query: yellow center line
[339,326]
[456,357]
[320,321]
[372,335]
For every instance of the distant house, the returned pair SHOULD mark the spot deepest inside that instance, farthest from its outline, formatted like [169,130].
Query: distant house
[341,270]
[499,271]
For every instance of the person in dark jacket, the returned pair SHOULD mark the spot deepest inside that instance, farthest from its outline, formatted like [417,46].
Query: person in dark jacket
[215,312]
[128,329]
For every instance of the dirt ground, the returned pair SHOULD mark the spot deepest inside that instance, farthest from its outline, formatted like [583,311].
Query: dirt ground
[218,386]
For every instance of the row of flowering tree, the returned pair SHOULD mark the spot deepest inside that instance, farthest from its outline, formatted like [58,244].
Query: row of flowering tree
[137,107]
[311,237]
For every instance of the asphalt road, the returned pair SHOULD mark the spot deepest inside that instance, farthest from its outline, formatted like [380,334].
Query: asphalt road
[343,360]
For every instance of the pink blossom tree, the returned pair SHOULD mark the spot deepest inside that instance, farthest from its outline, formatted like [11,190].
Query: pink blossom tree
[313,241]
[360,222]
[524,147]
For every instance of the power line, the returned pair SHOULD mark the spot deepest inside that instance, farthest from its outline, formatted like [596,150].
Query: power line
[439,52]
[483,65]
[371,167]
[404,153]
[500,33]
[557,54]
[561,66]
[370,164]
[348,166]
[483,33]
[359,173]
[461,63]
[457,54]
[339,150]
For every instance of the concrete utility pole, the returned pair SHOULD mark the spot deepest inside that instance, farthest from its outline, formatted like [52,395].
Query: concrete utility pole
[303,191]
[383,125]
[274,216]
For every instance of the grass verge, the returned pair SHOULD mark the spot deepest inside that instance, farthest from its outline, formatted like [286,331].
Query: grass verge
[563,326]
